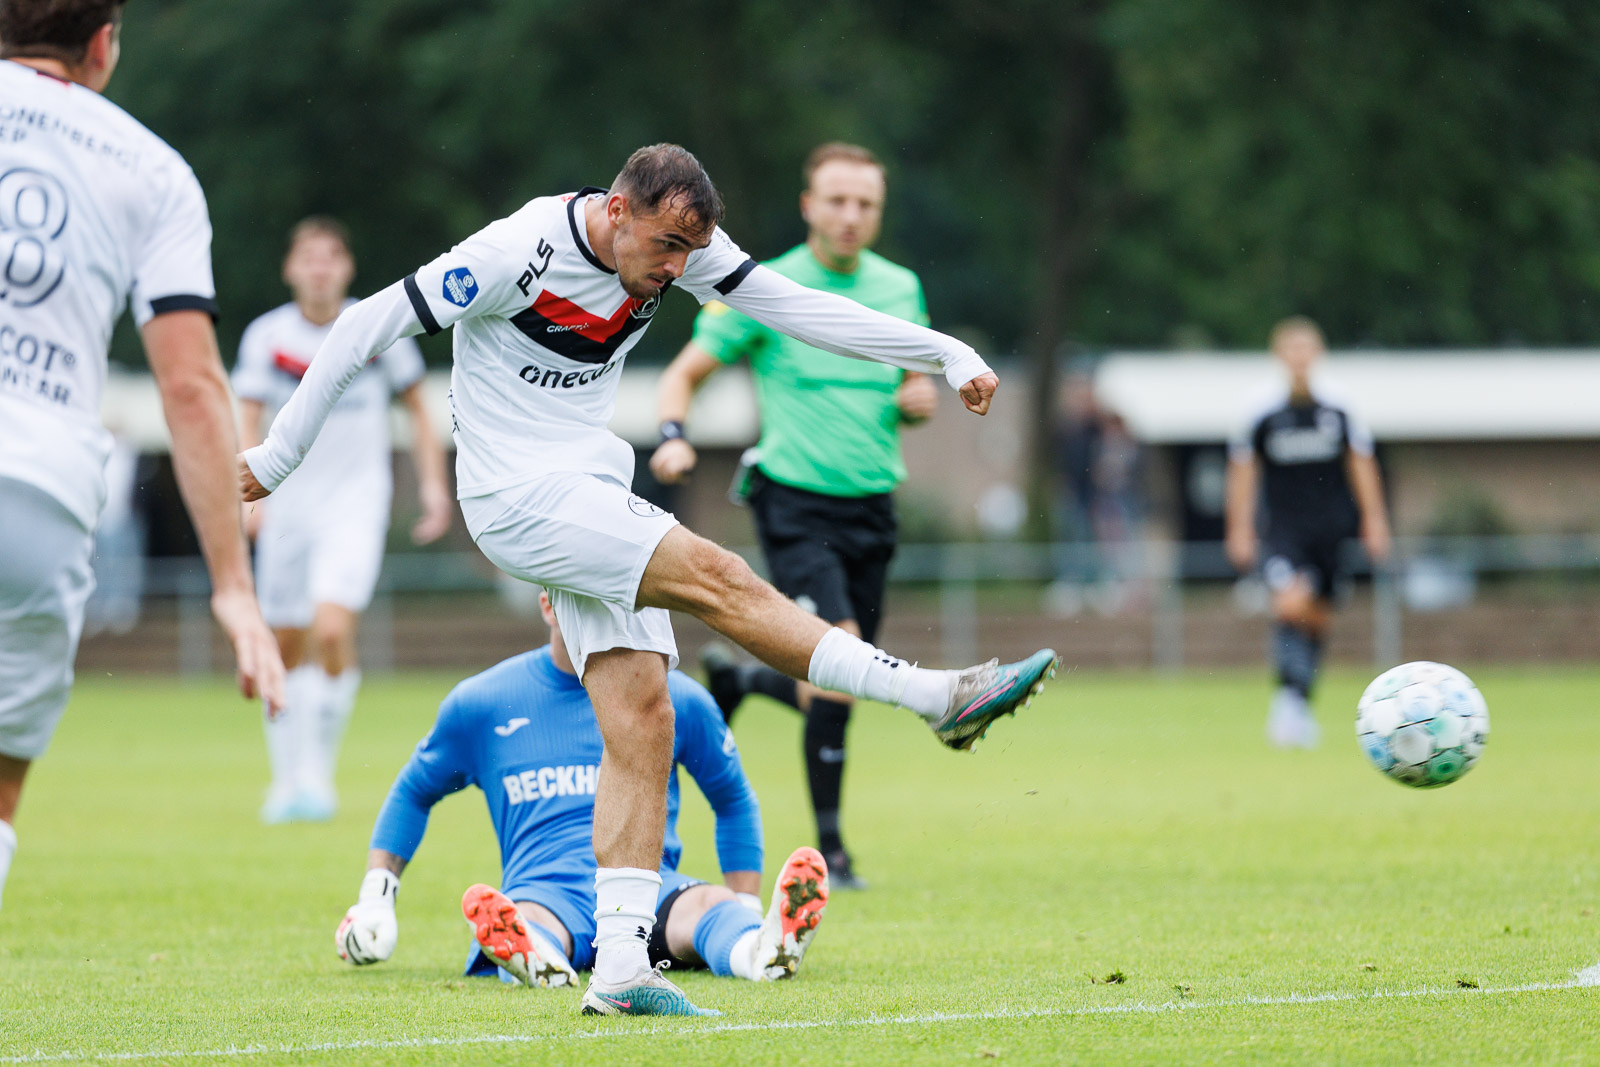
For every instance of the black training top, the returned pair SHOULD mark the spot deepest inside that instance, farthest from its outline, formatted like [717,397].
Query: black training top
[1302,445]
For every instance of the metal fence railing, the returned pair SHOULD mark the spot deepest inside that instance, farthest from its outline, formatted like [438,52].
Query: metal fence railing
[1424,574]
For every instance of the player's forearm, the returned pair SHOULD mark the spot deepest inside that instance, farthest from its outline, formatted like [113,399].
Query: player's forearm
[250,412]
[360,333]
[840,325]
[403,819]
[674,393]
[380,860]
[426,451]
[1241,498]
[738,831]
[199,414]
[1366,485]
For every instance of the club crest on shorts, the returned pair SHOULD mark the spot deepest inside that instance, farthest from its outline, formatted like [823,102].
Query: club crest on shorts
[460,287]
[642,507]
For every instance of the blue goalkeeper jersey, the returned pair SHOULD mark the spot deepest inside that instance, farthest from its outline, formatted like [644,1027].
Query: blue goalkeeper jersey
[524,733]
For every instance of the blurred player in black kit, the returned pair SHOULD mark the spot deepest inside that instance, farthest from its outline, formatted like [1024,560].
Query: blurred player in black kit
[1309,464]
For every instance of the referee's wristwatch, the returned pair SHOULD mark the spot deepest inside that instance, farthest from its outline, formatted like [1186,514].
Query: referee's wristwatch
[671,430]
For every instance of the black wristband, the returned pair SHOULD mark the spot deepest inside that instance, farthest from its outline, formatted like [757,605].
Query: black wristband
[672,429]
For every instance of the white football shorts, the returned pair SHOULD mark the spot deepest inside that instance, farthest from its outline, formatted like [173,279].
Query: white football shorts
[306,557]
[46,576]
[585,538]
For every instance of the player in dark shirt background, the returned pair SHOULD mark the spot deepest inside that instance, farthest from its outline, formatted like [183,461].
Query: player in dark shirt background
[1301,471]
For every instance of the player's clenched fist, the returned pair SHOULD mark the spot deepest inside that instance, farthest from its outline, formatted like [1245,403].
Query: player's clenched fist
[673,461]
[249,487]
[369,930]
[977,393]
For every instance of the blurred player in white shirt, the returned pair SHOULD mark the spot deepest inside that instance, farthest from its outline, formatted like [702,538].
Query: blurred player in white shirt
[319,540]
[96,214]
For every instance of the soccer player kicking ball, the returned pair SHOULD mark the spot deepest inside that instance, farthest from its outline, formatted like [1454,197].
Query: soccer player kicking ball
[96,214]
[524,732]
[319,542]
[546,304]
[1310,463]
[828,459]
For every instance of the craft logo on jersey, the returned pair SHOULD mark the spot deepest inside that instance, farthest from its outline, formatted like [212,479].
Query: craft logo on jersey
[543,783]
[460,287]
[642,507]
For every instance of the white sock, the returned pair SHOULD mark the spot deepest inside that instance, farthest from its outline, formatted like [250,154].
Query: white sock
[846,664]
[286,734]
[743,959]
[625,910]
[310,684]
[338,701]
[8,848]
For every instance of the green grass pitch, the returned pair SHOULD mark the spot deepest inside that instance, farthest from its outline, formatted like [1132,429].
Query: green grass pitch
[1123,874]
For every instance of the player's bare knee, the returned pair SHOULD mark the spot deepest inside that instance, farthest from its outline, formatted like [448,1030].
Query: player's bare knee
[729,579]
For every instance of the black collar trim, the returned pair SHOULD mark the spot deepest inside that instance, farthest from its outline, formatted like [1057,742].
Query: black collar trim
[577,238]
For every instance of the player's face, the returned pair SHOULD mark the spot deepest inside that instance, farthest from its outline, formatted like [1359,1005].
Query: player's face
[844,207]
[319,269]
[1299,350]
[651,250]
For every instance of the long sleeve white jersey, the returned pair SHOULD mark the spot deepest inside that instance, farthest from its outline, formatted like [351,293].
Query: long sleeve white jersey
[350,460]
[95,212]
[542,328]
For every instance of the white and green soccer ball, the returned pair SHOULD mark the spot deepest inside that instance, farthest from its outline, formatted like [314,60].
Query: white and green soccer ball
[1423,724]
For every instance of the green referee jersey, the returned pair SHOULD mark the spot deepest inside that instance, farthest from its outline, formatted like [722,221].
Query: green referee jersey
[829,424]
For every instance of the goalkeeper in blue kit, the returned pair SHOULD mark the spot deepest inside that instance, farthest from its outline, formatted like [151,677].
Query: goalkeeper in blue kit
[525,733]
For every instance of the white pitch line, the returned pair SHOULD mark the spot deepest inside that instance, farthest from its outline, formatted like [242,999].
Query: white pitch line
[1587,978]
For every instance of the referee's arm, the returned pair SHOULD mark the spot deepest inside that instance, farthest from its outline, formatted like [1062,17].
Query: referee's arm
[675,457]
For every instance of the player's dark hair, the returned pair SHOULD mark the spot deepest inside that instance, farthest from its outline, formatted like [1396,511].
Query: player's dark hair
[324,225]
[839,150]
[668,175]
[1293,324]
[53,29]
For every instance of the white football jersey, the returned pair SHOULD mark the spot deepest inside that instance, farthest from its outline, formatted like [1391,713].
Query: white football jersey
[542,329]
[350,459]
[96,212]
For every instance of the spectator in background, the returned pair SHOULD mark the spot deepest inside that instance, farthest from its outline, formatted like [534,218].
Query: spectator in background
[1102,468]
[1302,470]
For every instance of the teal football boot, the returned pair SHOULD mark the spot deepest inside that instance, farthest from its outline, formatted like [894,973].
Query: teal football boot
[984,693]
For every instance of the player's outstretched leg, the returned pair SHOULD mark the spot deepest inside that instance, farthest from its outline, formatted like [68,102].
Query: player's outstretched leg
[647,993]
[797,903]
[504,935]
[692,575]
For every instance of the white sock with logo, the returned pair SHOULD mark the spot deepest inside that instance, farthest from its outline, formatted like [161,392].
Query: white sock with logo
[844,663]
[625,911]
[338,702]
[8,848]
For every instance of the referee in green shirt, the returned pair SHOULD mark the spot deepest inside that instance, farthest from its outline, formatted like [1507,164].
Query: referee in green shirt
[829,454]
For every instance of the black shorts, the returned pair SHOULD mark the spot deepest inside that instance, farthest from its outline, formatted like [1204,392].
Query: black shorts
[1319,558]
[829,553]
[658,932]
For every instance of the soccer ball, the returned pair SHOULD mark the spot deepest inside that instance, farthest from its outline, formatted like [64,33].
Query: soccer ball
[1423,724]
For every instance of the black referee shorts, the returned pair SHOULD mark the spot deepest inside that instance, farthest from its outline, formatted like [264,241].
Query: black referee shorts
[1290,553]
[828,553]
